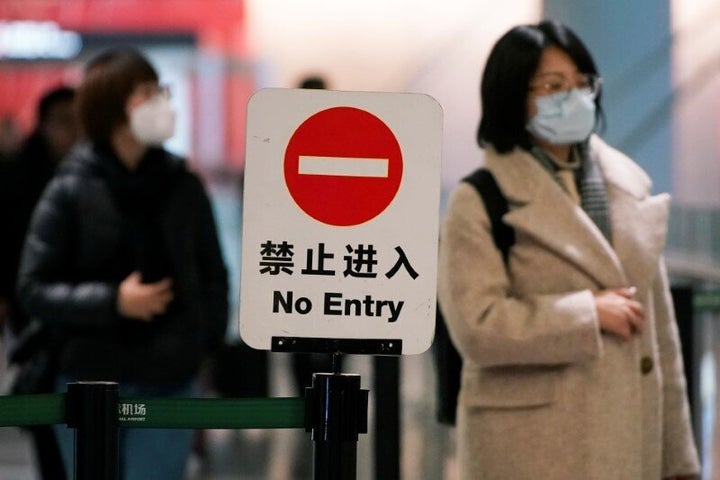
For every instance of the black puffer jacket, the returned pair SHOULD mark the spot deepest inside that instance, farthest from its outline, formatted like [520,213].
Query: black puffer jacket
[96,223]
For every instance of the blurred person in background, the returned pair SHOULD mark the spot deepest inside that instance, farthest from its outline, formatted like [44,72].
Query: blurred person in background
[571,359]
[10,138]
[23,180]
[122,260]
[10,143]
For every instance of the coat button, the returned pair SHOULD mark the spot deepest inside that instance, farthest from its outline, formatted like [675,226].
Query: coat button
[646,365]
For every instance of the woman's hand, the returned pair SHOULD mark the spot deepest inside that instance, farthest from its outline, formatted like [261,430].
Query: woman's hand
[142,301]
[618,313]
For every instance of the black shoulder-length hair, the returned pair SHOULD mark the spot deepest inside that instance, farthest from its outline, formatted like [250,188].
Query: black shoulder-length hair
[505,82]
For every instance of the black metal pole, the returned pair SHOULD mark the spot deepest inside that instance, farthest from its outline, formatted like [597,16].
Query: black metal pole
[92,410]
[336,414]
[688,326]
[387,417]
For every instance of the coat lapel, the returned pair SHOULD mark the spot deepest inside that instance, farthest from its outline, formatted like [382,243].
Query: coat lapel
[639,220]
[541,210]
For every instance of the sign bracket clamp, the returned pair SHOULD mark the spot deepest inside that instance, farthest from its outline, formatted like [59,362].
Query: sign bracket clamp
[361,346]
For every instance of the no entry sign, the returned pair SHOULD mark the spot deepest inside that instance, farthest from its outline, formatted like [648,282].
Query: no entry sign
[340,221]
[343,166]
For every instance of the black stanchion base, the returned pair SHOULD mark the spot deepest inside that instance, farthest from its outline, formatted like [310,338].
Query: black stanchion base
[336,412]
[92,410]
[335,460]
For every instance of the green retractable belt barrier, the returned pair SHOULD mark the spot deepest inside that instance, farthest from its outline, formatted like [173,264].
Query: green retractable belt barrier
[235,413]
[192,413]
[24,410]
[334,410]
[706,300]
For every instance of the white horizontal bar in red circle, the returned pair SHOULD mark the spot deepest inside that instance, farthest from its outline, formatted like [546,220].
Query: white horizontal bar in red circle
[343,166]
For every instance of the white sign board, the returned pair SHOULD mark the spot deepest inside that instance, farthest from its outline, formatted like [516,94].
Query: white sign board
[340,221]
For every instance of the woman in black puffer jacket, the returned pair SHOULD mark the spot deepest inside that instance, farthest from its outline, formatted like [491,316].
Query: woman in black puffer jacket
[122,261]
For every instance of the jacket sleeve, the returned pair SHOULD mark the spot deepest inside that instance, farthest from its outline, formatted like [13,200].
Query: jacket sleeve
[488,325]
[679,452]
[213,274]
[46,288]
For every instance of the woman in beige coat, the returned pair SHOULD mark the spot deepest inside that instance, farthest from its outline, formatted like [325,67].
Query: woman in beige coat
[572,366]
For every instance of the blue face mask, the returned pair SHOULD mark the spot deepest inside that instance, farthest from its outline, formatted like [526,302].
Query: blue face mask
[564,118]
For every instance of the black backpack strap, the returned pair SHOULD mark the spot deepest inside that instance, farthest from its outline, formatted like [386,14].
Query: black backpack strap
[448,362]
[496,206]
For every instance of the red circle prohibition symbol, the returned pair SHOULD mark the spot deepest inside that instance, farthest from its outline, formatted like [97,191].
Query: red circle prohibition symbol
[343,166]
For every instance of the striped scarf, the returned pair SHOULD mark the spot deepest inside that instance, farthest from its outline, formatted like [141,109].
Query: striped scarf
[594,199]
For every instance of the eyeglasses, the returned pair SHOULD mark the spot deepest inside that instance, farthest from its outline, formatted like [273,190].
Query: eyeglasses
[152,89]
[552,83]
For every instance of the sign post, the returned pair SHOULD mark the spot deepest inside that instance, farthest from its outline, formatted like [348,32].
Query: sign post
[340,232]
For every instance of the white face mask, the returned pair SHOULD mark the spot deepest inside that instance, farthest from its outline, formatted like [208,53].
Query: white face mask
[153,122]
[564,118]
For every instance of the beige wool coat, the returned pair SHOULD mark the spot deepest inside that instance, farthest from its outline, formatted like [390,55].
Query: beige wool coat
[546,395]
